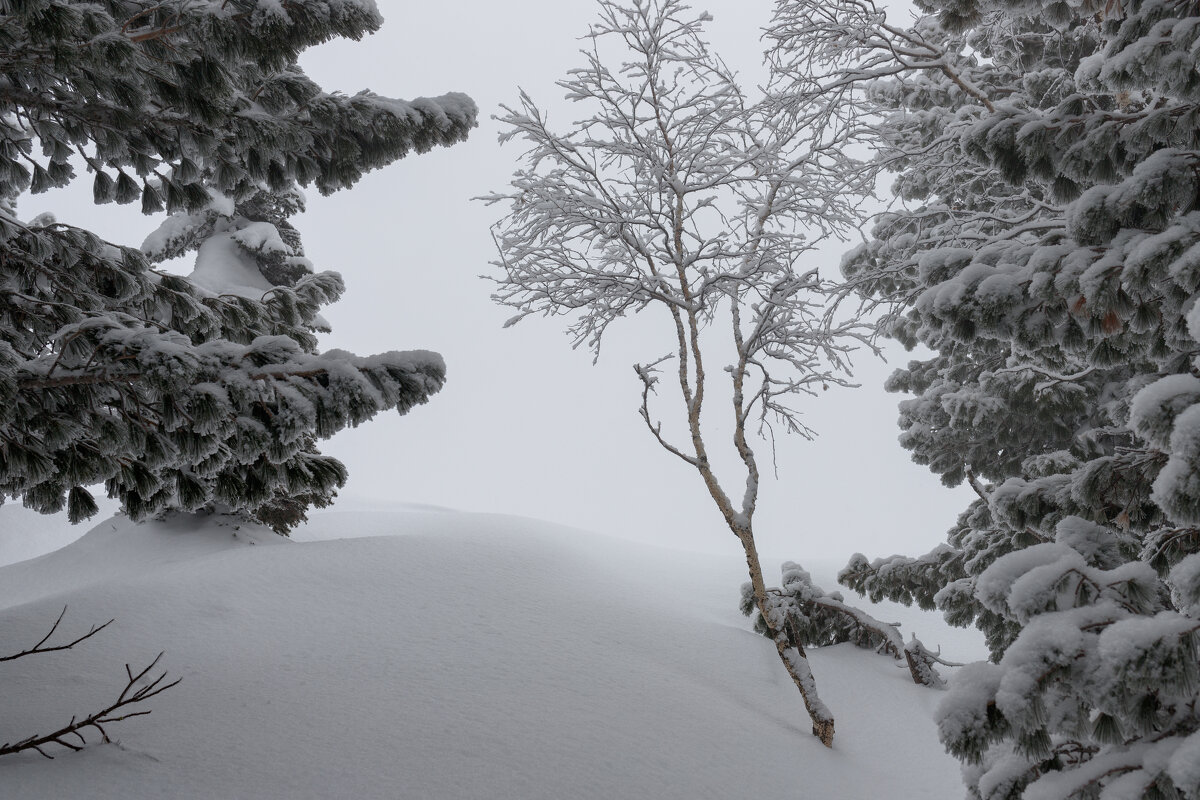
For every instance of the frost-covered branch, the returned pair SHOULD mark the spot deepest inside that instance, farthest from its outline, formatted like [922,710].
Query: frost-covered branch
[840,47]
[645,373]
[109,371]
[1042,250]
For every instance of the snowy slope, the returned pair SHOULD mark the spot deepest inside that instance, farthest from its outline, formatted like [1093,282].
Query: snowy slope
[439,655]
[27,534]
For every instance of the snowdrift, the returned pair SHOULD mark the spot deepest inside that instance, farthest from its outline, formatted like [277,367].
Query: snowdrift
[435,655]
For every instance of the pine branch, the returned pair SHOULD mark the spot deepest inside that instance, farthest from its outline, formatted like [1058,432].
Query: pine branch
[131,377]
[77,380]
[812,616]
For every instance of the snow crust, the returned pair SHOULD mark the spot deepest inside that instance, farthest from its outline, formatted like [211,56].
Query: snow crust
[437,655]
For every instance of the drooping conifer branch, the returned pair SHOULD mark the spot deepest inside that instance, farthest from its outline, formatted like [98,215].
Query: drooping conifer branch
[173,391]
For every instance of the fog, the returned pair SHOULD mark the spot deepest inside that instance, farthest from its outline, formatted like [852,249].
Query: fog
[526,425]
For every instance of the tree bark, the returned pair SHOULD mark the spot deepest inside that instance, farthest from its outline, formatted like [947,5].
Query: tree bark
[789,647]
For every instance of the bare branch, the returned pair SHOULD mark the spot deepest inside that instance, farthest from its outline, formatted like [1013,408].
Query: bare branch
[645,373]
[139,688]
[38,648]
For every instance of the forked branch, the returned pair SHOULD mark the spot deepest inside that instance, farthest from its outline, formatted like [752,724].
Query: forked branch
[41,648]
[71,736]
[139,688]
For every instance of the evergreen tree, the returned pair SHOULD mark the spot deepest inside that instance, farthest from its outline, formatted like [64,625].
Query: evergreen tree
[186,392]
[1046,252]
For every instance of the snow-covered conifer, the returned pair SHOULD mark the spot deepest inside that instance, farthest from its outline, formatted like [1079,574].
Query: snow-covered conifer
[1045,250]
[186,392]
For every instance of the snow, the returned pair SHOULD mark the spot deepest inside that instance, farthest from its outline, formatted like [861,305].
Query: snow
[1178,483]
[1095,543]
[995,585]
[26,534]
[175,227]
[1000,289]
[260,236]
[1185,584]
[1132,646]
[964,707]
[1155,408]
[1184,766]
[1054,785]
[223,267]
[432,654]
[1051,642]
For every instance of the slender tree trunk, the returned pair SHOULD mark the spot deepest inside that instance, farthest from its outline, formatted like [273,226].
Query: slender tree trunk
[789,647]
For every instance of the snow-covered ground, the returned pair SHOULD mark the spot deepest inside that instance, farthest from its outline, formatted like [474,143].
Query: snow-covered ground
[426,654]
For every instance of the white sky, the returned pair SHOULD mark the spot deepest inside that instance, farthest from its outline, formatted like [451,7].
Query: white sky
[525,424]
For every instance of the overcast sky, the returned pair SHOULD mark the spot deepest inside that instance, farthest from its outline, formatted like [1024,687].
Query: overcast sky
[526,425]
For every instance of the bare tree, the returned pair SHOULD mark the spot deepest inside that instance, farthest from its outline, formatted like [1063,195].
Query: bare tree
[139,687]
[678,194]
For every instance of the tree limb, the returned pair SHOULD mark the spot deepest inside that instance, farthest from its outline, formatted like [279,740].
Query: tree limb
[130,696]
[38,648]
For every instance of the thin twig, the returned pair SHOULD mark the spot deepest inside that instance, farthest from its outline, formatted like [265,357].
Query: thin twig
[38,648]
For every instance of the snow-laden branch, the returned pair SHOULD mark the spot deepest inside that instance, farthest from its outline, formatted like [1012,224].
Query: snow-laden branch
[814,617]
[840,47]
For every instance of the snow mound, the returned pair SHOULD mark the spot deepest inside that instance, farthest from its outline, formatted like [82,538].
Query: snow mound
[438,655]
[26,534]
